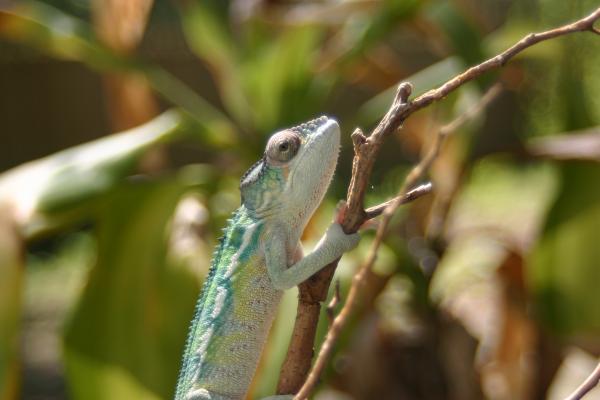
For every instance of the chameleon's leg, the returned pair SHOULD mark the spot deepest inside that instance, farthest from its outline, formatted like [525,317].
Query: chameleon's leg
[331,246]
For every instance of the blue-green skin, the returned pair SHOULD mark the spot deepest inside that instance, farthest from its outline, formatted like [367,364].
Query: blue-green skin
[258,257]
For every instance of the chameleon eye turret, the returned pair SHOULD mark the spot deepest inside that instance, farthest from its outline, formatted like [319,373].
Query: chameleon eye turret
[283,146]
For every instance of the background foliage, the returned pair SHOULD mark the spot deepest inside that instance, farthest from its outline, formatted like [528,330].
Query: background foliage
[486,289]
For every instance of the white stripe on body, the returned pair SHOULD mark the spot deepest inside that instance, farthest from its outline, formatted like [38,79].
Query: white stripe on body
[234,263]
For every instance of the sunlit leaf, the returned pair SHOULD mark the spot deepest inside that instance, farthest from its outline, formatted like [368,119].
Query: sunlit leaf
[64,182]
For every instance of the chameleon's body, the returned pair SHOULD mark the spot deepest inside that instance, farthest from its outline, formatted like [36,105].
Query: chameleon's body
[259,256]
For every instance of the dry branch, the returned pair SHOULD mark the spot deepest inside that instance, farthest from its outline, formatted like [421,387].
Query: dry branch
[366,148]
[411,195]
[413,176]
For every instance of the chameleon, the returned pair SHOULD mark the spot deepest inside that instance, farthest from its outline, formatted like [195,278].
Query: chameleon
[258,257]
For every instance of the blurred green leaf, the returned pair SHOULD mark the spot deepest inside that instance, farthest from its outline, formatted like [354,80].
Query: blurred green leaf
[54,32]
[364,33]
[46,191]
[127,333]
[11,284]
[503,198]
[279,78]
[501,205]
[464,38]
[564,267]
[61,35]
[263,79]
[205,31]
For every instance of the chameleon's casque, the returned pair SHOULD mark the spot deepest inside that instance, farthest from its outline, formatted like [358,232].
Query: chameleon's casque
[258,257]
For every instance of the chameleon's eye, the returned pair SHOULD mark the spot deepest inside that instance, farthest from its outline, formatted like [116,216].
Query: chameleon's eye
[283,146]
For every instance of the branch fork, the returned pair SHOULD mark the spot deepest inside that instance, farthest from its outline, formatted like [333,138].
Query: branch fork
[295,377]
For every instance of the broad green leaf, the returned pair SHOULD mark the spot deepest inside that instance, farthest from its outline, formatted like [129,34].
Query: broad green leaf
[126,336]
[564,268]
[44,191]
[11,283]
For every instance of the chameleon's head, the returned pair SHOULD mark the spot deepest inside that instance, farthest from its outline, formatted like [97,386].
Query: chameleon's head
[295,171]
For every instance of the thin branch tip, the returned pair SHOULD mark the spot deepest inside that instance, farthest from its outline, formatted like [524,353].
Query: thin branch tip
[358,138]
[403,93]
[409,197]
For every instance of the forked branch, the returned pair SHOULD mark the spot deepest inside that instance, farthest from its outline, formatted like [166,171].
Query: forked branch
[366,149]
[388,210]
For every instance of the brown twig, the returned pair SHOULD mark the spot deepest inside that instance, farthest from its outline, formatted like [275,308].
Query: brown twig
[590,383]
[314,291]
[297,363]
[413,176]
[411,195]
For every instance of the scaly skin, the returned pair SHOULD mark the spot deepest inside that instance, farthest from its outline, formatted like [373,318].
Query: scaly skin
[260,256]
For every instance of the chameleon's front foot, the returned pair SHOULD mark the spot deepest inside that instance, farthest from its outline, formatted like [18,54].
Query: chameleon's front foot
[340,240]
